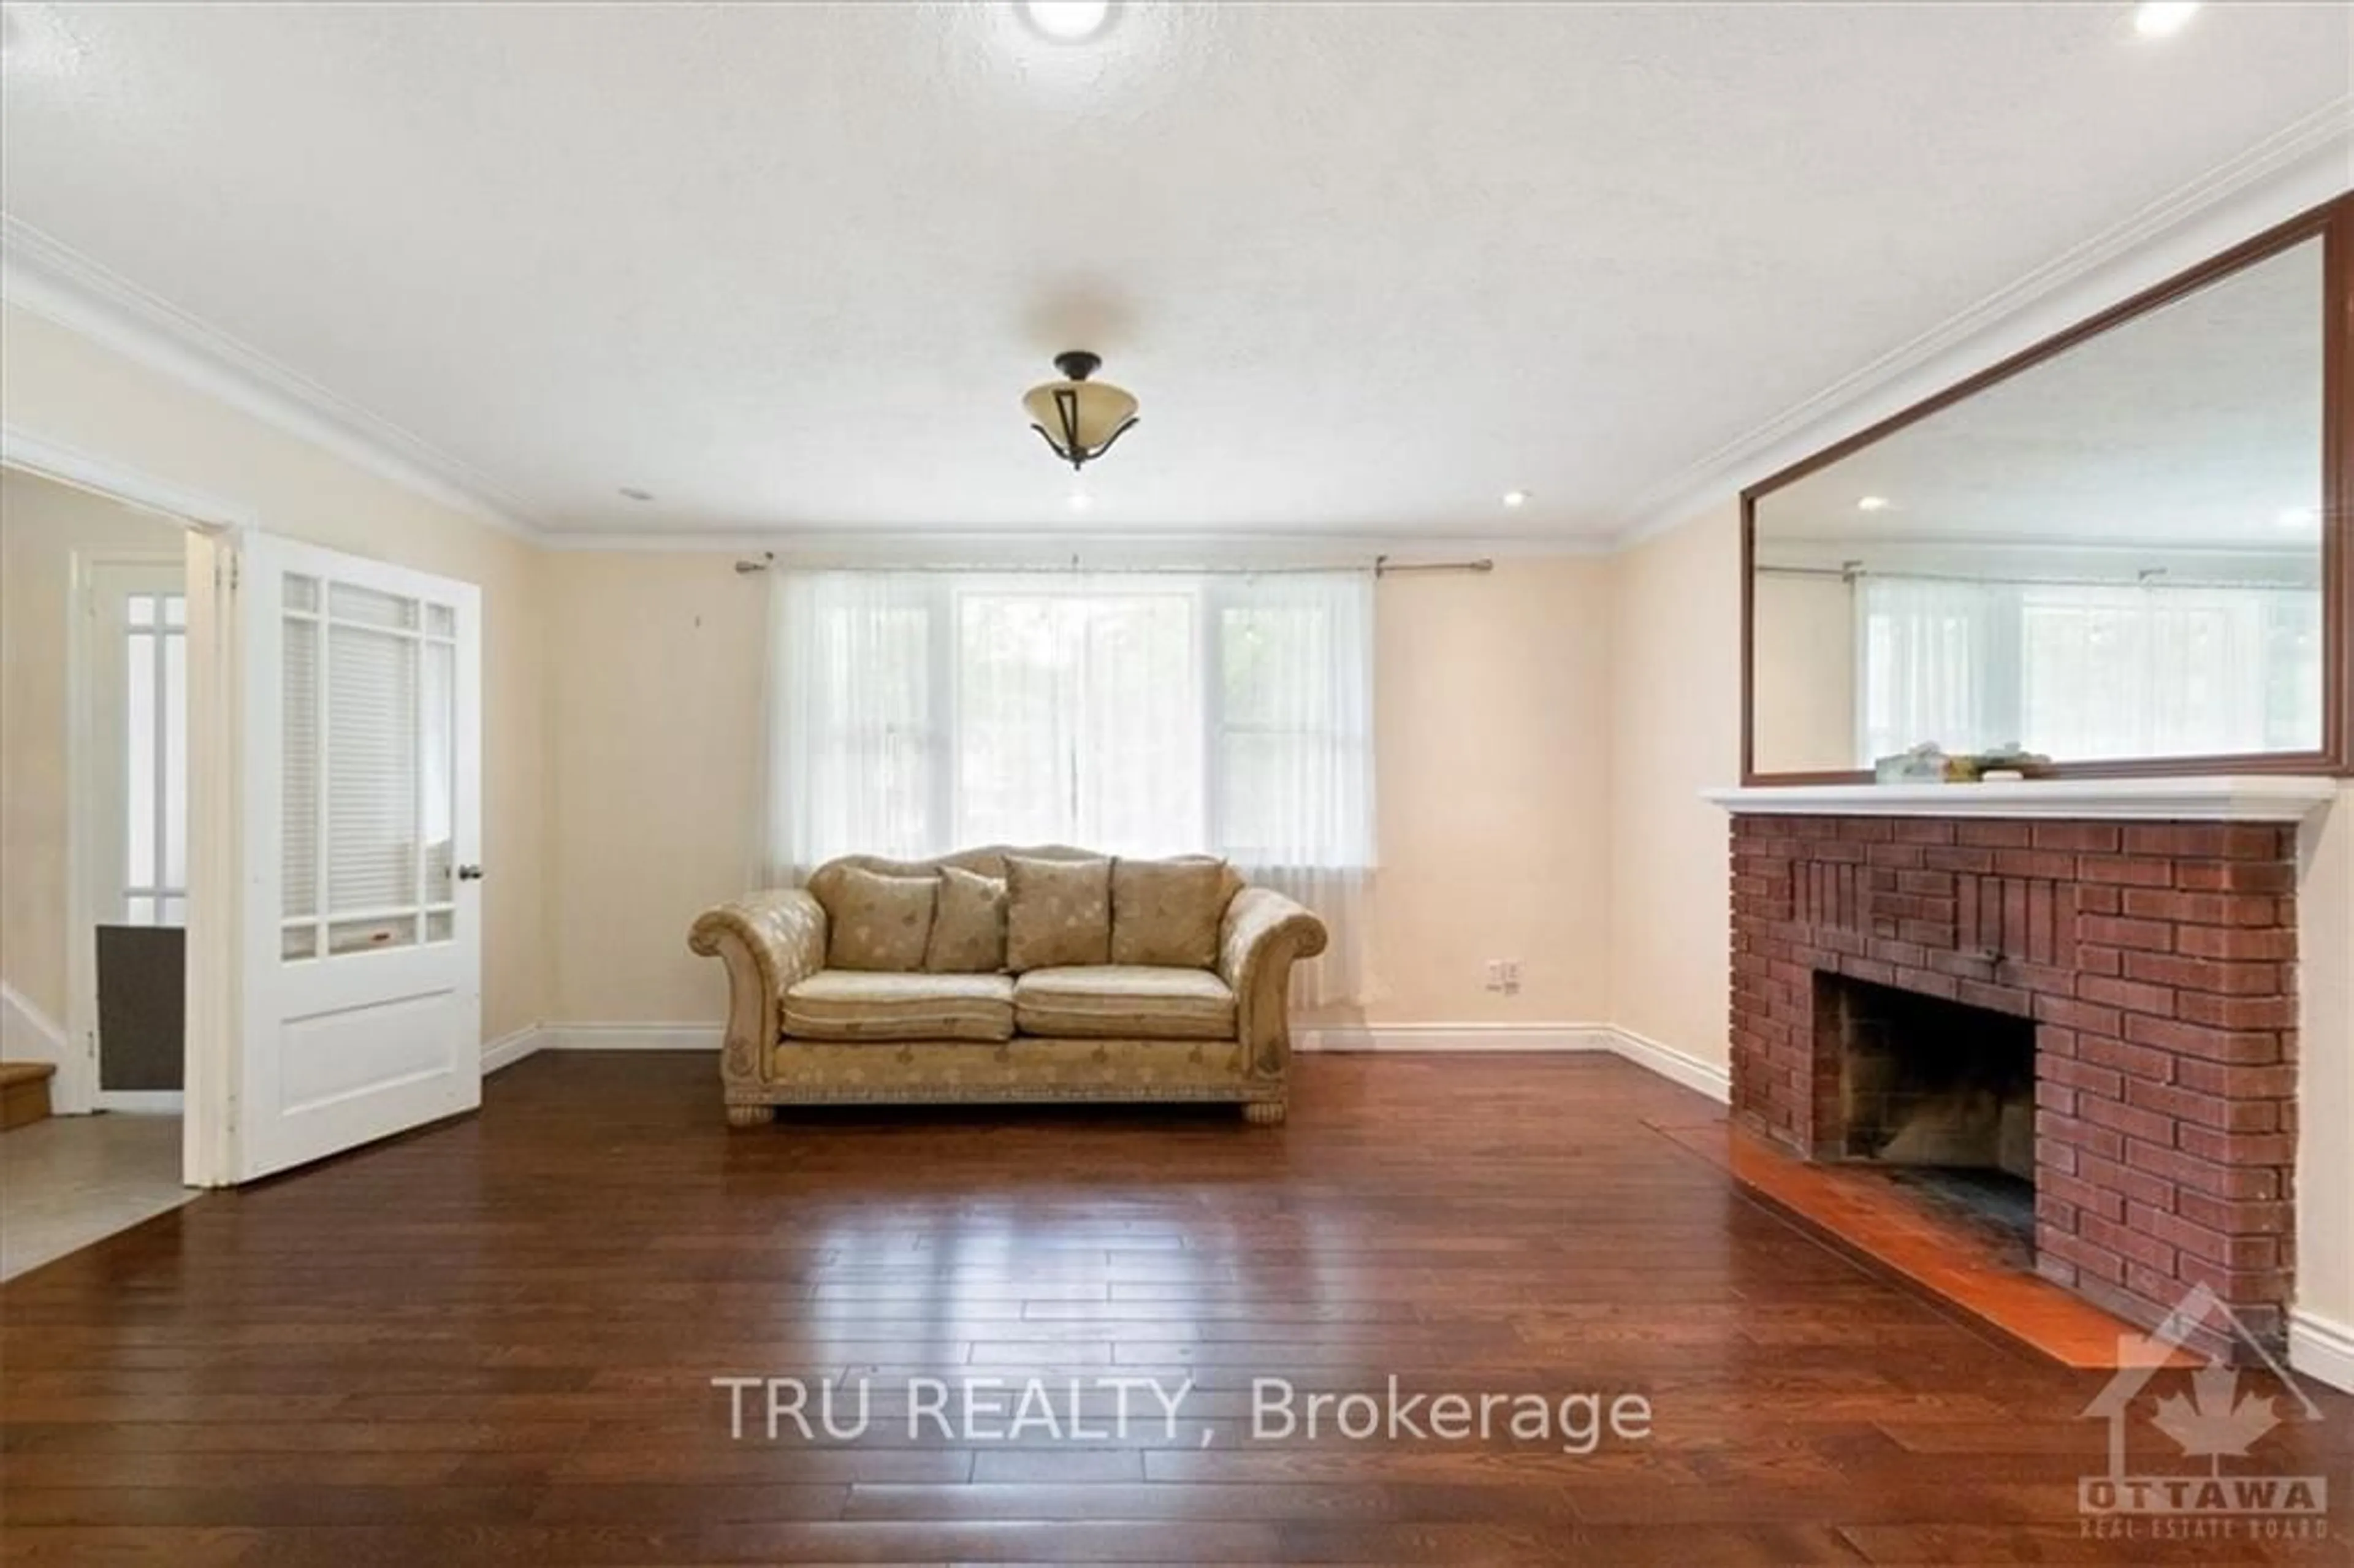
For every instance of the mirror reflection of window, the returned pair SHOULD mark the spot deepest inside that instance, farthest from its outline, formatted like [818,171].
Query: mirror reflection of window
[2114,554]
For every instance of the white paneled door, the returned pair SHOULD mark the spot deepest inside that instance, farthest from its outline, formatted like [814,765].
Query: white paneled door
[362,945]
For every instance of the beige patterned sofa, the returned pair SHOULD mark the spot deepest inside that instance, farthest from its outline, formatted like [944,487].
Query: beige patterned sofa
[1008,975]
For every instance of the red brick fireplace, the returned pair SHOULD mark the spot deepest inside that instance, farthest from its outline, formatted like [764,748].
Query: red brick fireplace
[2156,963]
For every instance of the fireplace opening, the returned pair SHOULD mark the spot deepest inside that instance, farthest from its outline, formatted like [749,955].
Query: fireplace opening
[1939,1094]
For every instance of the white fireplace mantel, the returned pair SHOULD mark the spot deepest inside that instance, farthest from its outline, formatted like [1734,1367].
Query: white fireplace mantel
[2249,798]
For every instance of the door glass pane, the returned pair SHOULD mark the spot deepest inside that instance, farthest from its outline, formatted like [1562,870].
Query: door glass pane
[440,620]
[175,780]
[440,925]
[359,936]
[366,606]
[440,781]
[302,592]
[372,771]
[176,610]
[173,912]
[139,758]
[300,831]
[139,911]
[140,610]
[297,942]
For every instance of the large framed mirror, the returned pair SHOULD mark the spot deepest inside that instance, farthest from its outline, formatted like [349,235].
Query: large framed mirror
[2125,550]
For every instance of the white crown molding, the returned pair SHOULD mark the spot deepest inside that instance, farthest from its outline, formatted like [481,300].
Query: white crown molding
[2307,162]
[2256,797]
[21,449]
[40,274]
[1086,552]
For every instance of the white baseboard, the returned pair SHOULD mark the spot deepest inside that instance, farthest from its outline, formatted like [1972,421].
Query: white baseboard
[631,1036]
[1705,1077]
[27,1033]
[142,1102]
[1453,1037]
[509,1049]
[1710,1078]
[2321,1348]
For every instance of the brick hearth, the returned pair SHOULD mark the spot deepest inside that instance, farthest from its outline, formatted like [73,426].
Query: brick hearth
[2157,960]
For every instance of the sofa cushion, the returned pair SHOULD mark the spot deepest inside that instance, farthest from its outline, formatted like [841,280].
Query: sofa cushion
[1124,1001]
[968,924]
[1166,912]
[1058,912]
[841,1004]
[879,922]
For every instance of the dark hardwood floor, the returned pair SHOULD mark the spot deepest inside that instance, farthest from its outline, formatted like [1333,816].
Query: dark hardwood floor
[494,1341]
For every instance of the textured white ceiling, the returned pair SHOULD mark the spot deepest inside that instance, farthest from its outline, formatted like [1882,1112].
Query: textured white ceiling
[1367,266]
[2199,424]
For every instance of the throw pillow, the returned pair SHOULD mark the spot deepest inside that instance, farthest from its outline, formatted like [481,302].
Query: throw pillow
[1167,911]
[1058,912]
[879,922]
[967,925]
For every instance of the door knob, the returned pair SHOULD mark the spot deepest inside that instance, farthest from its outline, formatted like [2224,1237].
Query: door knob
[469,873]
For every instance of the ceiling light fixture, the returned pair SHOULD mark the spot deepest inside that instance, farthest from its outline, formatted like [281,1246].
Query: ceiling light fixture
[1067,21]
[2163,18]
[1078,417]
[1872,504]
[632,492]
[1516,498]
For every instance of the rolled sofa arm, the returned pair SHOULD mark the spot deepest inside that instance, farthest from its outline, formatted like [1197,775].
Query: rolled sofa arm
[770,942]
[1263,935]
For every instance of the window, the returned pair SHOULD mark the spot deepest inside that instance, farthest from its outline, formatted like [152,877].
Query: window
[369,794]
[917,713]
[156,760]
[2083,671]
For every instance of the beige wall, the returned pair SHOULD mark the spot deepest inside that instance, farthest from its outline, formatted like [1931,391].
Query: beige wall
[1492,722]
[69,390]
[1805,673]
[655,741]
[43,526]
[1675,730]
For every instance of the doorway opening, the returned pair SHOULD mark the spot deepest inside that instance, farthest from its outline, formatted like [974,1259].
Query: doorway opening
[94,790]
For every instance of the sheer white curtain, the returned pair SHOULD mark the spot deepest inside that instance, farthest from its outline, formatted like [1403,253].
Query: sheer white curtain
[1933,667]
[910,713]
[1292,786]
[856,719]
[2087,671]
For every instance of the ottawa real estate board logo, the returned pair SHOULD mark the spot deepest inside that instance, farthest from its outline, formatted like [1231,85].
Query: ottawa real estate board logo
[2213,1483]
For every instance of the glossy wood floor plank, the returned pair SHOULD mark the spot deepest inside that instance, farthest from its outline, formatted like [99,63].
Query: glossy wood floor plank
[492,1343]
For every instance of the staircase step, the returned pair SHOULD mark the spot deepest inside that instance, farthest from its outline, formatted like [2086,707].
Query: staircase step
[25,1092]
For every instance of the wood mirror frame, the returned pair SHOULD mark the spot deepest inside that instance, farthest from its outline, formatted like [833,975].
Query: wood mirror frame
[2333,224]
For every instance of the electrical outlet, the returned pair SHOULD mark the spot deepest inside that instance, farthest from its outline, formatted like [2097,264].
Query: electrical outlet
[1504,976]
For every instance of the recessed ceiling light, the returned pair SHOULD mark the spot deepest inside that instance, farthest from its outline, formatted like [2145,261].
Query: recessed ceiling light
[2163,18]
[1872,504]
[1516,498]
[1067,21]
[633,492]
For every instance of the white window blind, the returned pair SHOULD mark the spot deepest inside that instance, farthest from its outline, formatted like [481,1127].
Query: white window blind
[370,781]
[917,713]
